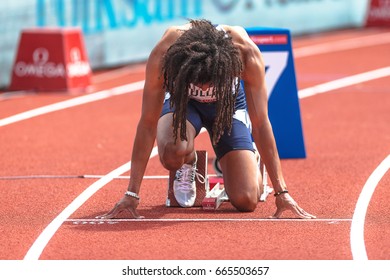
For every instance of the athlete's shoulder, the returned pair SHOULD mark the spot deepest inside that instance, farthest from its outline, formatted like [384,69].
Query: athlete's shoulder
[250,54]
[234,30]
[174,31]
[169,37]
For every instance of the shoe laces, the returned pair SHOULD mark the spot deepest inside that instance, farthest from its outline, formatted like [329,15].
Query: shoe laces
[186,176]
[199,176]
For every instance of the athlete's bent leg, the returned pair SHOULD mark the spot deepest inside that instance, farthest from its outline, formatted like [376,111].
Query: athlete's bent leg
[241,179]
[174,155]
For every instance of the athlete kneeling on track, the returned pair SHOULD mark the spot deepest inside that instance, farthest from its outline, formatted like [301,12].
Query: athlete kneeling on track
[194,79]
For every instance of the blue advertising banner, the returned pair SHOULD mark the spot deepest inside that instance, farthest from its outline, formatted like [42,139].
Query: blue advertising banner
[284,109]
[118,32]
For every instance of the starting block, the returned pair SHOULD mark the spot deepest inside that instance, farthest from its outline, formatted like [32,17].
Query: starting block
[266,188]
[201,187]
[214,180]
[214,197]
[210,192]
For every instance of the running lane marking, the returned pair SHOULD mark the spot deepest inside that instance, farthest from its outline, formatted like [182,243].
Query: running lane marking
[73,102]
[115,221]
[358,220]
[40,243]
[345,82]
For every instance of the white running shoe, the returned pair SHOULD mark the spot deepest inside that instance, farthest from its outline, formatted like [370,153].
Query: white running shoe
[184,185]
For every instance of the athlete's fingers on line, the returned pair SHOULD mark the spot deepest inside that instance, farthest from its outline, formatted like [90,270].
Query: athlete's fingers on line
[277,214]
[135,213]
[111,214]
[303,214]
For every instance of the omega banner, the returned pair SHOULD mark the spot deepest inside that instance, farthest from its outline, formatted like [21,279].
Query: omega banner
[378,13]
[51,59]
[283,103]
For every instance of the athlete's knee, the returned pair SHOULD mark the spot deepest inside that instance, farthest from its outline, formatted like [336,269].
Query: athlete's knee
[244,201]
[172,156]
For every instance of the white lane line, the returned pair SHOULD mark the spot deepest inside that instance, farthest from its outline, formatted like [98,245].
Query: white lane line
[345,82]
[358,220]
[113,221]
[28,177]
[73,102]
[342,45]
[40,243]
[40,176]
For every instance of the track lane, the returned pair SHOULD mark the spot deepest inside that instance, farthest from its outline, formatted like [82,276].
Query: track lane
[305,256]
[97,205]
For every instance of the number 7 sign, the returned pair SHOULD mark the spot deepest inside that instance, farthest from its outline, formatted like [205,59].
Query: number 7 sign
[275,64]
[283,103]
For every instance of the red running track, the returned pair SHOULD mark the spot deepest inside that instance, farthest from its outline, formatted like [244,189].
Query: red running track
[344,180]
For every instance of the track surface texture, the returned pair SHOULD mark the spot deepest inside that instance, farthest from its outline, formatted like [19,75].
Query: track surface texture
[48,208]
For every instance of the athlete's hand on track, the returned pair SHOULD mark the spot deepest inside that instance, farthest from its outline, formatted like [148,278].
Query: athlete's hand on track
[286,202]
[127,203]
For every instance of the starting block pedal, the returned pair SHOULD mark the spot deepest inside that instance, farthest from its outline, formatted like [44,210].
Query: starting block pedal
[266,192]
[266,188]
[213,181]
[201,187]
[214,197]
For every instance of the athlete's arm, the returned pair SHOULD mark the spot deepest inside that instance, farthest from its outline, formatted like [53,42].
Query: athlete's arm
[253,76]
[152,102]
[257,101]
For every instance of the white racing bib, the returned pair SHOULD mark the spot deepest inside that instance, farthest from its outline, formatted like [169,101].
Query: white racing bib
[200,95]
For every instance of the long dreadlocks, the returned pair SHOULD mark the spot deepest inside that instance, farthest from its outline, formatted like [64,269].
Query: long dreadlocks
[201,55]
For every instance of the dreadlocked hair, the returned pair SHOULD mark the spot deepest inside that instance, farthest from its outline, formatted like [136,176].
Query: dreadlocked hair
[202,54]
